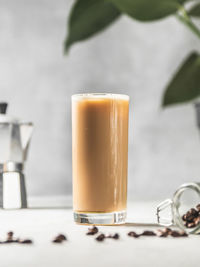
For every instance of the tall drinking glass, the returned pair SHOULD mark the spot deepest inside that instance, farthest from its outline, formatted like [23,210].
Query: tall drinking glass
[100,156]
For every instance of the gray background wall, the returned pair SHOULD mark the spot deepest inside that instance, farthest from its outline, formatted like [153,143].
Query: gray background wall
[130,57]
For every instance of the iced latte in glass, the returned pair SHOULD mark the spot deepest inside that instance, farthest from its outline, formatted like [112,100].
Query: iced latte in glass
[100,156]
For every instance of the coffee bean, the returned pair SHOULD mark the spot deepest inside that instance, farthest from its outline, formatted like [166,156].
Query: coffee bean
[26,241]
[15,240]
[62,237]
[9,237]
[175,234]
[184,217]
[191,225]
[161,233]
[191,218]
[148,233]
[183,234]
[197,221]
[185,224]
[10,234]
[59,239]
[198,207]
[115,236]
[92,231]
[133,234]
[100,237]
[191,214]
[167,230]
[194,212]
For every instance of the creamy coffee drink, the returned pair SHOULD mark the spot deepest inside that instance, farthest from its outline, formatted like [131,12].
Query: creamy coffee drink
[100,152]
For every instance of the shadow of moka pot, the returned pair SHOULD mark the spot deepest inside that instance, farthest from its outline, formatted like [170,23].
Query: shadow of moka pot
[15,136]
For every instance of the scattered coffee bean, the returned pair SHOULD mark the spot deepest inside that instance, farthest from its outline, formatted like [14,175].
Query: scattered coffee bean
[175,234]
[16,240]
[161,233]
[10,234]
[6,242]
[115,236]
[183,234]
[167,230]
[92,231]
[25,241]
[148,233]
[62,237]
[133,234]
[59,239]
[9,237]
[100,237]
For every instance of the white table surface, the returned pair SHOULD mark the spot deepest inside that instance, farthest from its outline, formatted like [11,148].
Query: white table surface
[42,225]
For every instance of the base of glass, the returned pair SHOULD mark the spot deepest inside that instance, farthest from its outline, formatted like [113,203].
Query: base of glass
[118,217]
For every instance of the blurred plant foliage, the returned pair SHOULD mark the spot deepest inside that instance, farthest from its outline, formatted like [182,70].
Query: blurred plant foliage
[88,17]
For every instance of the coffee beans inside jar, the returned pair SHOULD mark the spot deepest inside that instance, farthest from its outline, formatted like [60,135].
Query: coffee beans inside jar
[192,217]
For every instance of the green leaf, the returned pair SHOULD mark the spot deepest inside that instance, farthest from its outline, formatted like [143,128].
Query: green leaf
[195,11]
[183,1]
[185,85]
[88,17]
[147,10]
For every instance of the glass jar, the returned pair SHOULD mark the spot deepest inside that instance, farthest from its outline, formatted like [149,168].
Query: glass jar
[171,211]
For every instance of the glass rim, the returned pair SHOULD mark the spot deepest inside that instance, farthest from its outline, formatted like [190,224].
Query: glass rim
[99,96]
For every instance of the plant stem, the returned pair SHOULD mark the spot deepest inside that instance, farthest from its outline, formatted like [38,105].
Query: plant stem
[186,20]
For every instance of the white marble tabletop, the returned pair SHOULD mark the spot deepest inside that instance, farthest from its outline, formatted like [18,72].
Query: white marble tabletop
[42,225]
